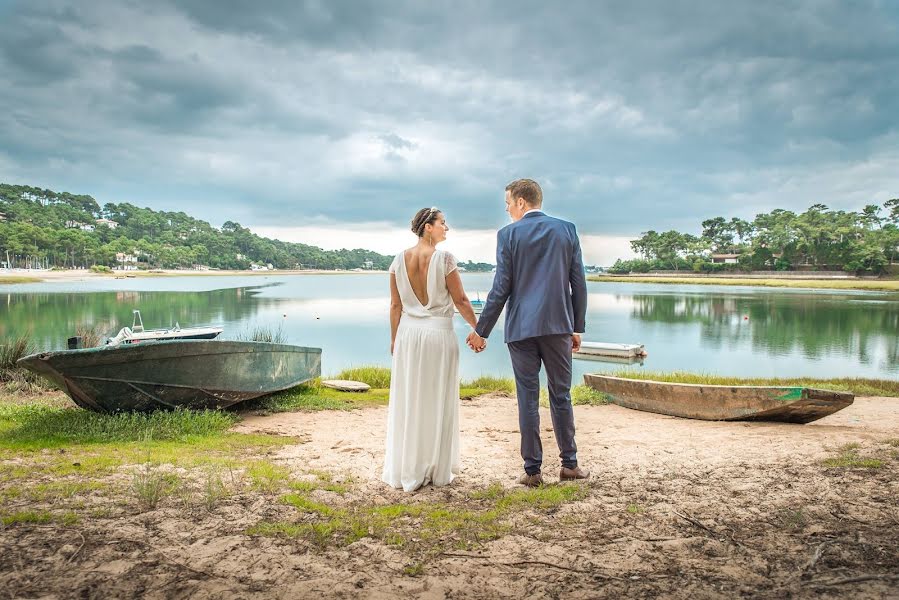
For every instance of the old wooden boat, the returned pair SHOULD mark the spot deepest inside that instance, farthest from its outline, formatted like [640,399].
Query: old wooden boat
[193,374]
[589,349]
[721,402]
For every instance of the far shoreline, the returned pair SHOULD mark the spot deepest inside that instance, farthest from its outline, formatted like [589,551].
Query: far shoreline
[39,276]
[847,283]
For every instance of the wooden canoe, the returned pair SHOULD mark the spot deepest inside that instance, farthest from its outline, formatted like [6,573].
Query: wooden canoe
[194,374]
[721,402]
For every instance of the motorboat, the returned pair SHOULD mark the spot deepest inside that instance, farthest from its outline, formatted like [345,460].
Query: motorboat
[137,334]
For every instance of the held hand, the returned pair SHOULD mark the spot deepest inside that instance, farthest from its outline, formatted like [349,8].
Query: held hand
[476,342]
[575,342]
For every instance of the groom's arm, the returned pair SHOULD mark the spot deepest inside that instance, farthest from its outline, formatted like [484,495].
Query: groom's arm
[502,287]
[578,282]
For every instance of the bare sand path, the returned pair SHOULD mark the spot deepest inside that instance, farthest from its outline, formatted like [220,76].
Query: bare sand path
[610,439]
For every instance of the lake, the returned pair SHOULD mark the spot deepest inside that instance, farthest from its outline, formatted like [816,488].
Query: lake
[740,331]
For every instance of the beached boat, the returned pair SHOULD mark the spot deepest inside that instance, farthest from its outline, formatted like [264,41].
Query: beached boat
[171,374]
[721,402]
[589,349]
[137,334]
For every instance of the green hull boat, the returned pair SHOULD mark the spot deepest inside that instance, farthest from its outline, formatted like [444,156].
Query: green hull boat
[194,374]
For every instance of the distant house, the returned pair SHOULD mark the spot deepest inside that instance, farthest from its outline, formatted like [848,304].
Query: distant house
[126,262]
[725,259]
[79,225]
[107,222]
[369,265]
[2,217]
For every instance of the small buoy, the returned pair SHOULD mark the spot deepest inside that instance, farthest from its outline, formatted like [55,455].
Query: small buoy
[285,316]
[745,318]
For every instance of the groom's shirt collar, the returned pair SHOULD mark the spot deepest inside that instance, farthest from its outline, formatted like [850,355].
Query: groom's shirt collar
[533,210]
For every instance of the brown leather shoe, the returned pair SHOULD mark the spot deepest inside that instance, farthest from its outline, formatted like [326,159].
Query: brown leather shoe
[566,474]
[534,480]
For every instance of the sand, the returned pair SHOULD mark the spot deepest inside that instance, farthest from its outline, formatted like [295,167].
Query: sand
[87,275]
[675,508]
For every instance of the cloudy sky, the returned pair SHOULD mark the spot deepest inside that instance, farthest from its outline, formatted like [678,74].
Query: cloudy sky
[332,122]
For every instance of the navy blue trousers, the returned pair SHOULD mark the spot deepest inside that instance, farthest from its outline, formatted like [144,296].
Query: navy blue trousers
[554,353]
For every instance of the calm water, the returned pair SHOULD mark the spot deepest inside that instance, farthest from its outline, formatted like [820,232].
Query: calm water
[710,329]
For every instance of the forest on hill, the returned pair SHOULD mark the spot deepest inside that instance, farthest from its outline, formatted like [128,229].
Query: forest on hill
[817,239]
[45,229]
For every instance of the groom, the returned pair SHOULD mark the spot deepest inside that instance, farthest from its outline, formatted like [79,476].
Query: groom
[540,280]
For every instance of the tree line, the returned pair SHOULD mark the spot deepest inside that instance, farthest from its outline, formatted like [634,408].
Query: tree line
[817,239]
[45,229]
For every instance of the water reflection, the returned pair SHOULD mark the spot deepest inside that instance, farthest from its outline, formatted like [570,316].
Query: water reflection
[730,331]
[780,324]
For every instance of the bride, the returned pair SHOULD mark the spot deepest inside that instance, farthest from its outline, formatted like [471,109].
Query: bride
[423,414]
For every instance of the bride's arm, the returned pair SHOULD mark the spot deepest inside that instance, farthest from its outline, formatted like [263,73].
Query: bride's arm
[396,310]
[463,304]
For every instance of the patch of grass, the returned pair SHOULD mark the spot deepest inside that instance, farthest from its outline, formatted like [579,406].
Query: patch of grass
[313,396]
[375,376]
[38,517]
[848,458]
[415,569]
[264,333]
[13,349]
[892,442]
[214,489]
[429,527]
[26,427]
[62,490]
[91,337]
[792,519]
[150,485]
[634,509]
[13,279]
[829,284]
[580,395]
[267,477]
[486,384]
[583,395]
[15,378]
[857,386]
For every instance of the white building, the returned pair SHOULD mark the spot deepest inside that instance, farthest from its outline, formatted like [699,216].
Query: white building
[107,222]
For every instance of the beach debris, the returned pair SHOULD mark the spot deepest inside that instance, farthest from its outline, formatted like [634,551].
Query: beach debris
[346,385]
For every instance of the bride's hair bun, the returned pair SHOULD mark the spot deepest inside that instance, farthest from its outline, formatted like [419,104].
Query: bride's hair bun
[422,218]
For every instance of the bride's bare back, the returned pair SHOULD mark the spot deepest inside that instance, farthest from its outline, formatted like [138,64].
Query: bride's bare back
[418,262]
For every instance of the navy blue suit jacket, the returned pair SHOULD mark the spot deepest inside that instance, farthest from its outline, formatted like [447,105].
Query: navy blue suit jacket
[539,279]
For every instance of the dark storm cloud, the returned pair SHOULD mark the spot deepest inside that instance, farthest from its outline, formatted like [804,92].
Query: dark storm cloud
[634,115]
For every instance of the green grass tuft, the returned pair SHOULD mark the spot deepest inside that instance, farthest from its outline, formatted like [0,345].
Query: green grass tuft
[375,376]
[848,458]
[32,517]
[36,426]
[430,527]
[313,396]
[486,384]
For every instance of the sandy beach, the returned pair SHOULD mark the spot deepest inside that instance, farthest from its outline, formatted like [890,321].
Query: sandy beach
[87,275]
[675,508]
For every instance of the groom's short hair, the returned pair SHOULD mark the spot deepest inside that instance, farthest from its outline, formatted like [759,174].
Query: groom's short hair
[527,189]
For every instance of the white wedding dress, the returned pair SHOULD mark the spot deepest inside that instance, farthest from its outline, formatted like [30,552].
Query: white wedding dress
[423,414]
